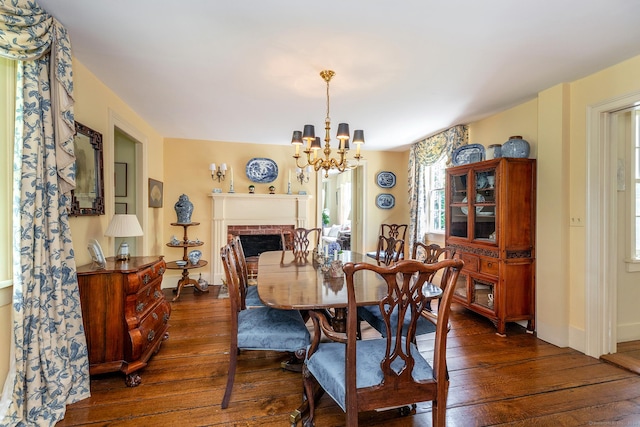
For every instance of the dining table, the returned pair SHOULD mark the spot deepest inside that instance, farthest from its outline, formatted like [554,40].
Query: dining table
[288,281]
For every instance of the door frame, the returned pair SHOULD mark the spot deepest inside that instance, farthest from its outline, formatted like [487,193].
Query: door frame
[600,264]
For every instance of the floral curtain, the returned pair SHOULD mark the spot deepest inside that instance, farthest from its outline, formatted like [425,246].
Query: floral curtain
[50,367]
[422,154]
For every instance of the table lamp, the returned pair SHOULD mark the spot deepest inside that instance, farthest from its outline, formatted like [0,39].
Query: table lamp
[123,225]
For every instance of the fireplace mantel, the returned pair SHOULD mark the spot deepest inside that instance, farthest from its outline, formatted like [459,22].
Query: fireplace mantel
[252,209]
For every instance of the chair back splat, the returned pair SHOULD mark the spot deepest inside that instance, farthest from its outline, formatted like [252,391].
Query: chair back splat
[365,375]
[302,241]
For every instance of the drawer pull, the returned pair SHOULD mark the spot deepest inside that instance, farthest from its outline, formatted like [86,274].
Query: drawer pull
[148,291]
[165,317]
[151,336]
[146,278]
[157,294]
[140,307]
[161,271]
[155,316]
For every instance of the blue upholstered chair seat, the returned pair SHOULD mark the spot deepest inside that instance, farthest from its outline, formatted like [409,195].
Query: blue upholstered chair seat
[253,299]
[266,328]
[327,365]
[371,314]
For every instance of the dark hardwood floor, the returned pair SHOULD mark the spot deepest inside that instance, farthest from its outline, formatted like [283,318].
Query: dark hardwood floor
[514,381]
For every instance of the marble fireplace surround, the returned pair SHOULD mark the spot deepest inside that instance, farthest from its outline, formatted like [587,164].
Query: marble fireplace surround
[254,213]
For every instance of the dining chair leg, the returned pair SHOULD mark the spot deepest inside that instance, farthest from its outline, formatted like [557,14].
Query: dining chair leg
[310,396]
[233,361]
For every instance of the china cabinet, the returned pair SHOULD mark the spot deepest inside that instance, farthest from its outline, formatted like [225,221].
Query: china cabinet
[490,221]
[185,264]
[125,314]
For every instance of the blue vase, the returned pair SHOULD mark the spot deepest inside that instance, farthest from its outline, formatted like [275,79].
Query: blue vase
[515,147]
[184,209]
[194,256]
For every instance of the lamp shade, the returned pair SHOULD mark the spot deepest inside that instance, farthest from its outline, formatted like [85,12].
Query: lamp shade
[124,225]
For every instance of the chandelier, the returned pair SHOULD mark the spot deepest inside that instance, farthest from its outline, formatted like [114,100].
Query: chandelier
[313,145]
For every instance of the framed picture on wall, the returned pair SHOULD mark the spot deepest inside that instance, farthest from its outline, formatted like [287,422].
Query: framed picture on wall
[155,193]
[120,178]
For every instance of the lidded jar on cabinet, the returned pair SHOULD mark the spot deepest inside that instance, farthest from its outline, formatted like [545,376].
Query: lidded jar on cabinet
[515,147]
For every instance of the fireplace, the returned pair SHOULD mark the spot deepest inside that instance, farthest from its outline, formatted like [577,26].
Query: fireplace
[253,215]
[254,244]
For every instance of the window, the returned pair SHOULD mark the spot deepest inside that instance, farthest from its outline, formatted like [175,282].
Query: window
[7,114]
[431,208]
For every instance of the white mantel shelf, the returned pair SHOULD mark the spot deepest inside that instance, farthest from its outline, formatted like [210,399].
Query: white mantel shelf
[252,209]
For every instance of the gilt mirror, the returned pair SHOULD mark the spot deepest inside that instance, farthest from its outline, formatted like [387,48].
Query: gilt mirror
[88,196]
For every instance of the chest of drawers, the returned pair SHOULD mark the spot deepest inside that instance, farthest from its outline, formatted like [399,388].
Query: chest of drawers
[125,314]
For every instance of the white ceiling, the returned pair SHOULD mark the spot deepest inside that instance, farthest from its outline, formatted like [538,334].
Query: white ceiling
[248,70]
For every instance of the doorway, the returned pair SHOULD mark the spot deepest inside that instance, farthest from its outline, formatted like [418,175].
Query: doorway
[340,202]
[608,321]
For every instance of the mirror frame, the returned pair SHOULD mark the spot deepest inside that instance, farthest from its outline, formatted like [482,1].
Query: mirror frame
[87,141]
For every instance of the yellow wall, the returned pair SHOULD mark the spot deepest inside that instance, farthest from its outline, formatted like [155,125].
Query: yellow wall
[555,125]
[195,181]
[99,108]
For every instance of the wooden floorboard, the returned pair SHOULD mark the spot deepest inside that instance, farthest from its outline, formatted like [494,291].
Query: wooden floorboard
[517,380]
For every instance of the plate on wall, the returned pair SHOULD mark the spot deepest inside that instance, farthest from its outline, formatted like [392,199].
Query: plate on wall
[466,154]
[262,170]
[386,179]
[385,201]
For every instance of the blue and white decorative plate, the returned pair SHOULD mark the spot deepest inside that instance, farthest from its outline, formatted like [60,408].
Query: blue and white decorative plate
[386,179]
[262,170]
[466,154]
[385,201]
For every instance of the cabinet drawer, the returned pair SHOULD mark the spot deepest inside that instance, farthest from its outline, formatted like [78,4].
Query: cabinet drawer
[470,261]
[147,297]
[489,266]
[153,326]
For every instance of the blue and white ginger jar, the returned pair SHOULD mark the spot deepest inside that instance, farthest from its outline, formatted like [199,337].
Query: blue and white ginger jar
[515,147]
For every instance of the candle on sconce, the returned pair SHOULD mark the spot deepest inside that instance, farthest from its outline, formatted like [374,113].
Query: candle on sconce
[289,180]
[231,172]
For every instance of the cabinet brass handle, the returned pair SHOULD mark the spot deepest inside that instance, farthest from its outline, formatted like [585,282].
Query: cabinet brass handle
[165,318]
[155,316]
[146,279]
[140,307]
[161,271]
[151,335]
[157,294]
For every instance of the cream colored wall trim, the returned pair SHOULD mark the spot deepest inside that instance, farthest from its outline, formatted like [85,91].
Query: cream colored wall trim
[142,190]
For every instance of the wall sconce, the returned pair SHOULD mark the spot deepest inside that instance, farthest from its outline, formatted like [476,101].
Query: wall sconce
[218,172]
[300,174]
[123,225]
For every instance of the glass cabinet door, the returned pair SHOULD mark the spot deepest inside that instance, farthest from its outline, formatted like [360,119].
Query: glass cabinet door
[461,287]
[485,205]
[483,292]
[458,206]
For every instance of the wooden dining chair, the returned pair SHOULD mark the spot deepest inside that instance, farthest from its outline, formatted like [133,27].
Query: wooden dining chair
[397,231]
[259,328]
[389,250]
[301,240]
[430,254]
[249,292]
[366,375]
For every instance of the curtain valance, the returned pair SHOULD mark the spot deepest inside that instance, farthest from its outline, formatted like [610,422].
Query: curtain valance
[28,32]
[430,150]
